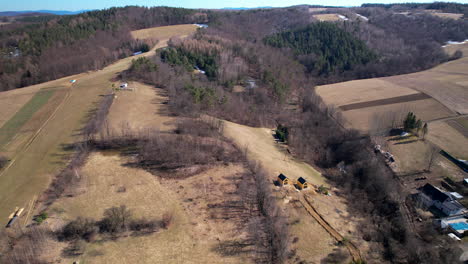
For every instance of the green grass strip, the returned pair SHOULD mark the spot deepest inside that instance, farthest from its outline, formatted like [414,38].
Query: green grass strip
[12,126]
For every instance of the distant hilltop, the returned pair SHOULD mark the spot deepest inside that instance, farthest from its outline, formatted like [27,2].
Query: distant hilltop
[41,12]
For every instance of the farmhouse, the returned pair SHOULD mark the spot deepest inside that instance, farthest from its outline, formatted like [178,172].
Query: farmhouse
[302,183]
[282,179]
[432,196]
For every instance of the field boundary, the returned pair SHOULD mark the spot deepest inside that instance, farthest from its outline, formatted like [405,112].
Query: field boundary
[31,140]
[386,101]
[12,126]
[457,126]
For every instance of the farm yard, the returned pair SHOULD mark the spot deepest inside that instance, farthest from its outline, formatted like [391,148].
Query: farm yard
[42,151]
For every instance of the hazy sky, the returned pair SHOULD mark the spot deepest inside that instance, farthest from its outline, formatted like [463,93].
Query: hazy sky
[16,5]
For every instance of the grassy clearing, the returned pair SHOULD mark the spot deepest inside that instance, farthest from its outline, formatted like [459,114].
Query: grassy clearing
[454,16]
[260,145]
[165,32]
[328,17]
[141,109]
[12,126]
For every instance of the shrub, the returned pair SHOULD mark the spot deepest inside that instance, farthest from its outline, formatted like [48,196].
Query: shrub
[140,225]
[282,133]
[80,228]
[3,161]
[167,220]
[116,219]
[41,217]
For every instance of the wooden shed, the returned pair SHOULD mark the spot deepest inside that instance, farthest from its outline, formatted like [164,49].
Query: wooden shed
[282,179]
[302,183]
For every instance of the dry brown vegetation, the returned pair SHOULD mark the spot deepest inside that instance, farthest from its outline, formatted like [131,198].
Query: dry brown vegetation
[160,33]
[328,17]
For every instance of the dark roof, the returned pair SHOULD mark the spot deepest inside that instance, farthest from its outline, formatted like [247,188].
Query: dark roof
[435,193]
[282,177]
[301,180]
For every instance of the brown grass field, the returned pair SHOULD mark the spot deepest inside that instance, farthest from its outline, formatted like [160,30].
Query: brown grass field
[166,32]
[33,166]
[363,118]
[193,236]
[440,14]
[448,138]
[327,17]
[260,146]
[140,109]
[358,91]
[317,9]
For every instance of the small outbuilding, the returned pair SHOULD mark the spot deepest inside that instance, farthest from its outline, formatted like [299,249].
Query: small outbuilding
[302,183]
[282,179]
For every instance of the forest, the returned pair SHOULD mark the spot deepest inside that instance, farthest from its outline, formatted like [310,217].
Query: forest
[50,47]
[324,48]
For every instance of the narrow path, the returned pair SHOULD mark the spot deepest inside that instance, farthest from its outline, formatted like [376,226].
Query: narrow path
[353,250]
[447,118]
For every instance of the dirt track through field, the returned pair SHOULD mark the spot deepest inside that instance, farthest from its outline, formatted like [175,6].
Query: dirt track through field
[386,101]
[353,250]
[453,123]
